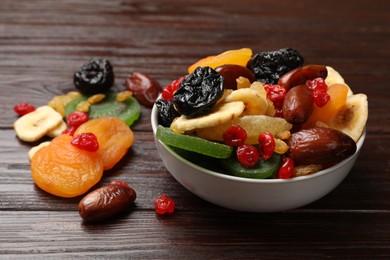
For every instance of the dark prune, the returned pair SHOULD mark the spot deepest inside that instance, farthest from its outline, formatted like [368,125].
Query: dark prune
[96,76]
[270,66]
[166,112]
[198,92]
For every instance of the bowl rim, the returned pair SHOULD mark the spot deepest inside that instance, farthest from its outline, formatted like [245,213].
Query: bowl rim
[359,144]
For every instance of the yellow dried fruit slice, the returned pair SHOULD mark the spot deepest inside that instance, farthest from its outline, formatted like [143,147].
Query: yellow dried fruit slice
[254,125]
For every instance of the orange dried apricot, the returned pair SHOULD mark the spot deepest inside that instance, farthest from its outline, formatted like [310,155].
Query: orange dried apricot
[64,170]
[114,138]
[338,96]
[236,57]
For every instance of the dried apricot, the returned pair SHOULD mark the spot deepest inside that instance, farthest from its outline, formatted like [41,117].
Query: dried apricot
[338,96]
[237,57]
[65,170]
[114,138]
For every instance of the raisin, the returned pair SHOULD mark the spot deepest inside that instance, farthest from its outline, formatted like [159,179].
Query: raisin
[96,76]
[166,112]
[270,66]
[198,92]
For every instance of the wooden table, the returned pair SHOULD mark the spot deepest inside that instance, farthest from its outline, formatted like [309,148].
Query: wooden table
[43,42]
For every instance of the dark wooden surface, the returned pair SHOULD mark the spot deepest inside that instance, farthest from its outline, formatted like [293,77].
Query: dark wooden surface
[42,42]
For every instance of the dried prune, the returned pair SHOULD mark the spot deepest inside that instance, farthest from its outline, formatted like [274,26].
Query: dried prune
[270,66]
[166,112]
[96,76]
[198,92]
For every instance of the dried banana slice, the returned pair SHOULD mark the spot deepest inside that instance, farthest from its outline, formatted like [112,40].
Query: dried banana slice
[35,149]
[58,130]
[220,114]
[352,117]
[255,102]
[33,126]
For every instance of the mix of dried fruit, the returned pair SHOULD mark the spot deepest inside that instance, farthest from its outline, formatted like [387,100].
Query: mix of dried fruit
[91,134]
[263,115]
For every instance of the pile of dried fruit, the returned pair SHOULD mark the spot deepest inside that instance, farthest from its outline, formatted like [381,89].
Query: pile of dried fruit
[265,115]
[91,133]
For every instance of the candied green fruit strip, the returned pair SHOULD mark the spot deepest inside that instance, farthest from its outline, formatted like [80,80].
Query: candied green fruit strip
[263,170]
[193,143]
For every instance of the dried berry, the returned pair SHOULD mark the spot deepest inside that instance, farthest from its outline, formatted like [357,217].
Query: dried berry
[86,141]
[319,91]
[266,145]
[23,108]
[96,76]
[286,170]
[166,112]
[235,135]
[77,118]
[198,92]
[170,89]
[164,204]
[270,66]
[247,155]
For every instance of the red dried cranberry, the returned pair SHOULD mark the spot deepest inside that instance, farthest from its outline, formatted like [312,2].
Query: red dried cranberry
[247,155]
[276,94]
[23,108]
[286,170]
[164,204]
[77,118]
[70,131]
[235,135]
[86,141]
[319,91]
[266,145]
[169,90]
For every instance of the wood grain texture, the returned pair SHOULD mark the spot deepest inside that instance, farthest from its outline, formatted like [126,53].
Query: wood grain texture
[43,42]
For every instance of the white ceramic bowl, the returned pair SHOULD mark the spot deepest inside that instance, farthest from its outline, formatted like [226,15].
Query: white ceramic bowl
[252,195]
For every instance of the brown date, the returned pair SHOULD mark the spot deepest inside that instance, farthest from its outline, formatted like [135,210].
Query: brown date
[231,72]
[300,75]
[298,104]
[107,201]
[145,89]
[320,146]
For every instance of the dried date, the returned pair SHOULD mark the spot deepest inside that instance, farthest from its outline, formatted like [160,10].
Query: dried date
[320,146]
[145,89]
[106,202]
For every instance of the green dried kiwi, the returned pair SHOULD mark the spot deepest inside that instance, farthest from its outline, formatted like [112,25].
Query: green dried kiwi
[193,143]
[263,169]
[129,110]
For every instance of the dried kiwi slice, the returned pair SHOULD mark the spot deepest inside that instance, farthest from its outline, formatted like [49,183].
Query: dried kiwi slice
[263,170]
[193,143]
[129,110]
